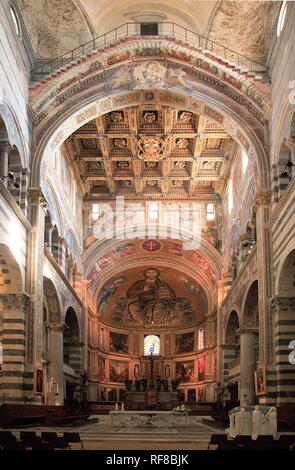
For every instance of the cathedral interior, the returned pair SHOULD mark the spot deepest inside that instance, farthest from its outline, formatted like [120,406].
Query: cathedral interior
[147,194]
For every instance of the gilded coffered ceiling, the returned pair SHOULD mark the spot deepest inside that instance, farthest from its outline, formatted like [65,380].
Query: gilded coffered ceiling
[58,26]
[150,151]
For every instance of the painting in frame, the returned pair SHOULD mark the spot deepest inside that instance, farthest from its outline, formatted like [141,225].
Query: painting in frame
[260,383]
[39,381]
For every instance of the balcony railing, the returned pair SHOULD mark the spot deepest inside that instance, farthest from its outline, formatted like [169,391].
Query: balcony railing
[166,30]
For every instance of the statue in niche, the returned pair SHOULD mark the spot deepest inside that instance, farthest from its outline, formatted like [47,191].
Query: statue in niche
[155,300]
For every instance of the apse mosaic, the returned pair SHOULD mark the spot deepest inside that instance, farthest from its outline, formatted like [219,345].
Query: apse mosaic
[152,345]
[185,342]
[176,248]
[151,298]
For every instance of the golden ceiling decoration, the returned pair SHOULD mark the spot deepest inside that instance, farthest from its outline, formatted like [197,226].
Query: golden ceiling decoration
[151,151]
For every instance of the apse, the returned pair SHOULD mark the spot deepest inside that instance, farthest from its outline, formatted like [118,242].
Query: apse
[151,298]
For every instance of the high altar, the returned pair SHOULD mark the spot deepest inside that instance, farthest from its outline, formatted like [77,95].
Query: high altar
[150,393]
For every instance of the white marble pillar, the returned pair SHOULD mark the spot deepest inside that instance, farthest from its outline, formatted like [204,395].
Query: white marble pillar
[248,365]
[55,366]
[34,286]
[5,148]
[48,235]
[261,207]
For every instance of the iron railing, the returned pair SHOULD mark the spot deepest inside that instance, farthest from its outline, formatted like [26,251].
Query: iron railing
[166,30]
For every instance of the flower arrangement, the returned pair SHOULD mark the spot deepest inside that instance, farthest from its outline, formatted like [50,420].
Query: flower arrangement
[181,409]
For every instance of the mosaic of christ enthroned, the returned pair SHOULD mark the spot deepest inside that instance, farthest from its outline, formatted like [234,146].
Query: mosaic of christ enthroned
[151,298]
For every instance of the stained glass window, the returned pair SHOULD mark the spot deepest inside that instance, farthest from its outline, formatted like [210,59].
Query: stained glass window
[152,345]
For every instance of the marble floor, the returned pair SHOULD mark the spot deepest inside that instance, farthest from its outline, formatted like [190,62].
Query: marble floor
[98,434]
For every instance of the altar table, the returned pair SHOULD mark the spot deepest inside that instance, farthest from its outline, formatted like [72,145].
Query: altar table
[148,418]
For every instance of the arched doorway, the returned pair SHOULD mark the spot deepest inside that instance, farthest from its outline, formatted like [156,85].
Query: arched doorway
[53,355]
[231,369]
[72,358]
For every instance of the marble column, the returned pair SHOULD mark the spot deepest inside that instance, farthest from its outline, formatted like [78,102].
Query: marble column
[48,235]
[37,210]
[14,309]
[261,207]
[248,365]
[5,148]
[283,379]
[221,292]
[55,366]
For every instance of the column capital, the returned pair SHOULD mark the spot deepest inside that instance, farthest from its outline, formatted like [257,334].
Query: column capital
[247,329]
[289,142]
[5,146]
[15,300]
[57,327]
[37,197]
[262,198]
[278,302]
[226,346]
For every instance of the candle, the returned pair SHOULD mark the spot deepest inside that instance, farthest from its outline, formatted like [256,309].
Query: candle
[57,387]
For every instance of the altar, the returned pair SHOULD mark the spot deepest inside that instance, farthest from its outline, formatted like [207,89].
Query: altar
[164,401]
[149,419]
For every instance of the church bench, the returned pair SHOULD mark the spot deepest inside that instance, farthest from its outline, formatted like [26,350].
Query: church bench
[25,421]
